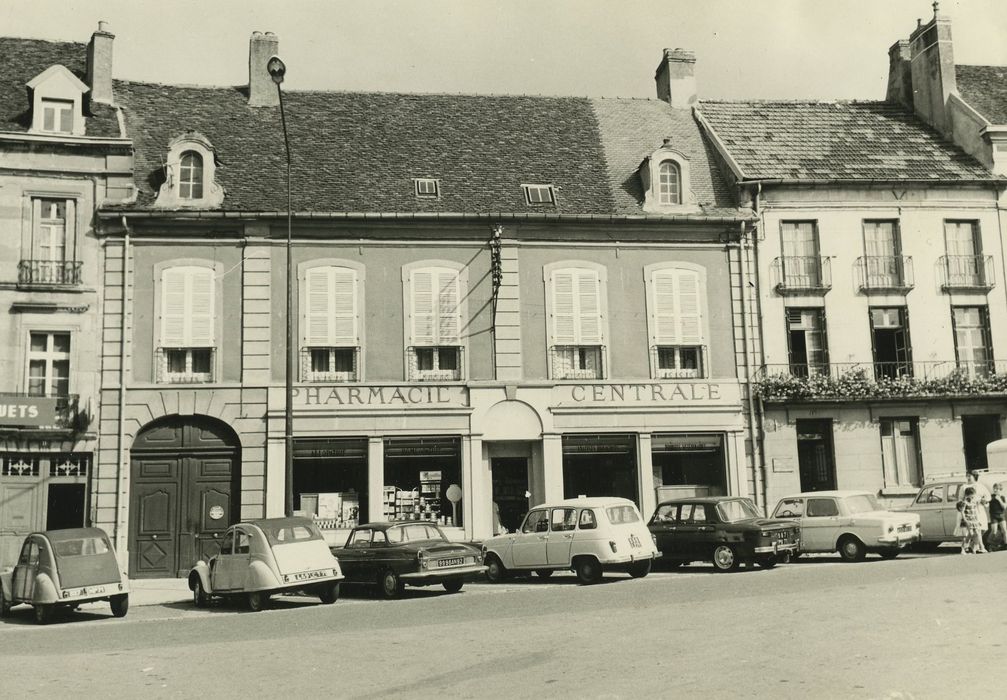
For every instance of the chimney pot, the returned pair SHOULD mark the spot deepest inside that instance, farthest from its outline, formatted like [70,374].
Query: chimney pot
[261,88]
[99,64]
[676,82]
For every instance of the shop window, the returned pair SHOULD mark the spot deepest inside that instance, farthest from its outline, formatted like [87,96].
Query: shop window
[330,481]
[600,465]
[187,333]
[689,464]
[575,301]
[48,364]
[900,452]
[331,323]
[423,480]
[436,315]
[676,302]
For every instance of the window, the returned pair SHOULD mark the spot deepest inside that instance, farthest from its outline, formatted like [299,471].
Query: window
[427,188]
[883,265]
[539,194]
[360,538]
[241,545]
[806,342]
[434,325]
[331,322]
[801,262]
[890,334]
[900,452]
[576,323]
[49,256]
[227,543]
[187,336]
[931,494]
[789,508]
[965,263]
[50,233]
[587,520]
[822,508]
[676,300]
[564,519]
[537,521]
[57,116]
[190,176]
[699,513]
[48,364]
[669,183]
[973,344]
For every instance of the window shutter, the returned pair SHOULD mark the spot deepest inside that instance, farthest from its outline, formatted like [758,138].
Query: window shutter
[690,307]
[589,308]
[422,295]
[70,230]
[663,328]
[344,306]
[563,308]
[318,307]
[200,302]
[173,308]
[448,307]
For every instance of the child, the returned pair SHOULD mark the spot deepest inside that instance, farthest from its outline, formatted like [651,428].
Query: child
[973,541]
[998,516]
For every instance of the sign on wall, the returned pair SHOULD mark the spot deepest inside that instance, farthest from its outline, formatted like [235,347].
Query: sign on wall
[655,394]
[330,397]
[27,410]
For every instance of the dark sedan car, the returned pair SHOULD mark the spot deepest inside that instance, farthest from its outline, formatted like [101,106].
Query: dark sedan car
[723,530]
[394,555]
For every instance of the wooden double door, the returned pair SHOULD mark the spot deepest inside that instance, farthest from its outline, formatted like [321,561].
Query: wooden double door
[183,496]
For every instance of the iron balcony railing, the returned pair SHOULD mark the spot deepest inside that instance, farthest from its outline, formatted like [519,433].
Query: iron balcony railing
[17,414]
[802,274]
[885,272]
[967,272]
[314,358]
[49,272]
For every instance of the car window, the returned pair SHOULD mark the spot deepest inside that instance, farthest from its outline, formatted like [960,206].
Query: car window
[537,521]
[241,542]
[227,544]
[789,508]
[621,515]
[292,534]
[587,520]
[563,519]
[379,538]
[931,494]
[25,557]
[862,503]
[666,513]
[360,538]
[737,509]
[686,513]
[954,492]
[699,513]
[394,535]
[83,547]
[822,508]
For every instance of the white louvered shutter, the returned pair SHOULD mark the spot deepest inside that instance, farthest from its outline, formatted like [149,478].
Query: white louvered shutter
[677,314]
[690,307]
[663,325]
[589,308]
[422,298]
[345,314]
[173,312]
[200,290]
[564,308]
[317,307]
[448,310]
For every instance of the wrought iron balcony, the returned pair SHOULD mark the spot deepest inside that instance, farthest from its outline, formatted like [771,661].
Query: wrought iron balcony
[885,273]
[802,274]
[330,364]
[24,414]
[48,273]
[967,273]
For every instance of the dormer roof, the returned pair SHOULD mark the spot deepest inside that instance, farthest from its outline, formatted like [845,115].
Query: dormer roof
[58,72]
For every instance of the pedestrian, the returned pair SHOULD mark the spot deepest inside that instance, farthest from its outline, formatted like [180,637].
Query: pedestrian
[998,517]
[973,542]
[983,498]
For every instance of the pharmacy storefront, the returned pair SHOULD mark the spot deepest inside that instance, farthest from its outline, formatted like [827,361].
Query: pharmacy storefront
[474,458]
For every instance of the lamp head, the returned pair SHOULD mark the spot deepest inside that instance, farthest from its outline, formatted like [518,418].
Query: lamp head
[276,68]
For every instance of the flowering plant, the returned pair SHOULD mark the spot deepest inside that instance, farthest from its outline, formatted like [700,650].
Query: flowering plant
[858,384]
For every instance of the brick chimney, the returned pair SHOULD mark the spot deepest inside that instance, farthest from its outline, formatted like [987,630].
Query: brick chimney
[933,71]
[900,78]
[261,88]
[676,83]
[99,64]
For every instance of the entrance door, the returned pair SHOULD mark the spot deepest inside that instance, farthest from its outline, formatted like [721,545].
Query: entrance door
[183,495]
[977,432]
[510,484]
[814,455]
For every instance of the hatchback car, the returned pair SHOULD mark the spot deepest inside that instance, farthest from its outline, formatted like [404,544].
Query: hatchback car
[936,504]
[588,535]
[261,557]
[394,555]
[723,530]
[849,522]
[64,569]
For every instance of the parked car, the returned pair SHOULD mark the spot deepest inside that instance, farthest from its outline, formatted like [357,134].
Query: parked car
[588,535]
[849,522]
[723,530]
[396,554]
[936,504]
[64,569]
[259,558]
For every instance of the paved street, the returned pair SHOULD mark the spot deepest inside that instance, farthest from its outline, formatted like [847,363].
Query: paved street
[919,627]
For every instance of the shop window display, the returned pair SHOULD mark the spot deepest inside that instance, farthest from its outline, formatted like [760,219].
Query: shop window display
[689,465]
[330,482]
[419,475]
[600,465]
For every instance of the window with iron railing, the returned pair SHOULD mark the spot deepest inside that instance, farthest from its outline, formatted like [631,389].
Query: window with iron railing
[329,364]
[885,272]
[678,362]
[184,365]
[967,272]
[577,362]
[435,363]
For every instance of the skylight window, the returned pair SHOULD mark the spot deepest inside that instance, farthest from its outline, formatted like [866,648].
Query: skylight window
[427,187]
[539,194]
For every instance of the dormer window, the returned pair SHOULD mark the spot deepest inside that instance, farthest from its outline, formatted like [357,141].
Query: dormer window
[539,194]
[56,97]
[190,179]
[667,188]
[427,188]
[190,172]
[57,116]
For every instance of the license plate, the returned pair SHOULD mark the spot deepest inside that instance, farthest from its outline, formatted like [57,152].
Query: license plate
[454,561]
[310,575]
[92,590]
[634,541]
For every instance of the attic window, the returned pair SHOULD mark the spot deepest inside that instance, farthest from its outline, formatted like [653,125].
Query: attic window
[539,194]
[57,116]
[427,187]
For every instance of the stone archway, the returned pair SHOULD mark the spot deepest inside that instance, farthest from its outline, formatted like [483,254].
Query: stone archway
[184,491]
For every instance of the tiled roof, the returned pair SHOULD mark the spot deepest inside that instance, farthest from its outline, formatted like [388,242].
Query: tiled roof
[358,152]
[985,89]
[806,140]
[23,59]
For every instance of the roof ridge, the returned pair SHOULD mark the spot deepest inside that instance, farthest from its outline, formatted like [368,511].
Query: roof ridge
[61,42]
[797,100]
[978,65]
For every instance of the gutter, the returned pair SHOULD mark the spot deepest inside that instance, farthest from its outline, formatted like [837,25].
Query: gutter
[993,180]
[110,214]
[65,139]
[120,502]
[743,260]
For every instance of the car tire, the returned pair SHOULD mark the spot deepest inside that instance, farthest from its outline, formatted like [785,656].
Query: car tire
[257,600]
[328,593]
[543,573]
[496,572]
[391,585]
[199,597]
[454,585]
[888,553]
[43,614]
[851,549]
[641,568]
[724,558]
[588,570]
[119,604]
[5,605]
[767,562]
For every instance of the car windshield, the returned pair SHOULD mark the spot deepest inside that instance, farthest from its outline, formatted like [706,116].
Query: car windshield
[294,532]
[621,515]
[861,503]
[83,547]
[414,533]
[740,509]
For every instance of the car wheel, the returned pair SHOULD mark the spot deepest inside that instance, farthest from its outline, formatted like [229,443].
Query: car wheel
[767,562]
[543,573]
[199,597]
[851,549]
[588,570]
[641,568]
[43,614]
[888,553]
[724,558]
[454,585]
[328,593]
[495,570]
[4,605]
[391,585]
[257,600]
[120,604]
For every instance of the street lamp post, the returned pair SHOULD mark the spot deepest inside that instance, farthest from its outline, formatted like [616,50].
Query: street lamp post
[277,70]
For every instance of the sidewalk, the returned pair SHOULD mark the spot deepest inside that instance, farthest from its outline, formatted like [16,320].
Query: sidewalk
[158,591]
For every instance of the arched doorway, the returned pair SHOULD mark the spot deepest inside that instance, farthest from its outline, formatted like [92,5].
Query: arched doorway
[184,492]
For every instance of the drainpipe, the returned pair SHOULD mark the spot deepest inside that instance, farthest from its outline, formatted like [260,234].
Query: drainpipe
[120,502]
[743,257]
[759,406]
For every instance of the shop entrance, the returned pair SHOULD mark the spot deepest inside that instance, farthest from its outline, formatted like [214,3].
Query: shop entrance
[510,488]
[815,457]
[977,432]
[600,465]
[184,492]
